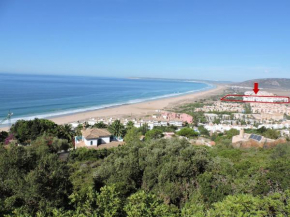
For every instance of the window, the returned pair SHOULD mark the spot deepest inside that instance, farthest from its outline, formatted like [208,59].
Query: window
[91,142]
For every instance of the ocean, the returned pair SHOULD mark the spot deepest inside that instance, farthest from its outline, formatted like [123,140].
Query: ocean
[44,96]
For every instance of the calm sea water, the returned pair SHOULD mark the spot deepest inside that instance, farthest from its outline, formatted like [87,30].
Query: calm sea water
[30,96]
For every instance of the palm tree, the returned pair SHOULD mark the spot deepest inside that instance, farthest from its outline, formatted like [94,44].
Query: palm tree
[117,128]
[129,125]
[67,132]
[100,125]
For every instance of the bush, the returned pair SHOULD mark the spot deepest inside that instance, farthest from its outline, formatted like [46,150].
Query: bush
[85,154]
[3,136]
[187,132]
[154,134]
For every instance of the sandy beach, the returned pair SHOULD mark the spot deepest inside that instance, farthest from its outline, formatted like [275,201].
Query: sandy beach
[138,109]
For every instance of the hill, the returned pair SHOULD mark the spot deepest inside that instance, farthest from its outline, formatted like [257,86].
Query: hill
[270,83]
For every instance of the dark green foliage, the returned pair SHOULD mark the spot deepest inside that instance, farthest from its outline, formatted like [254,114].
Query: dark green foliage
[187,132]
[144,204]
[231,133]
[84,154]
[27,131]
[3,136]
[100,125]
[153,178]
[268,133]
[198,117]
[122,168]
[144,129]
[203,131]
[277,175]
[66,132]
[117,129]
[167,167]
[215,184]
[32,179]
[132,136]
[170,128]
[248,205]
[281,151]
[224,139]
[130,125]
[154,134]
[54,144]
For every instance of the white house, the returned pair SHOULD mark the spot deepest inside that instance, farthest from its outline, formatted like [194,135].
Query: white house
[93,137]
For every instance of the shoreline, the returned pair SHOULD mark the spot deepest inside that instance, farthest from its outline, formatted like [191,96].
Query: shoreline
[135,109]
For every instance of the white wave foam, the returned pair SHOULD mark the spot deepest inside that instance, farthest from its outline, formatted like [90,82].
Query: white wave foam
[68,112]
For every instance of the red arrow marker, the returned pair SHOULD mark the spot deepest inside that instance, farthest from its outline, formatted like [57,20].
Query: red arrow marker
[256,88]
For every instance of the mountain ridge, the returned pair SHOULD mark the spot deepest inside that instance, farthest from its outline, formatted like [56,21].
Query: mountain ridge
[270,83]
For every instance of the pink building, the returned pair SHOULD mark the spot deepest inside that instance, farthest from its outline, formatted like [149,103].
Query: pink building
[180,116]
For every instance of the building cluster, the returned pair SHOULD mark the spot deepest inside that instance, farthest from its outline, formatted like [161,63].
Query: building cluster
[214,128]
[269,108]
[263,96]
[162,118]
[271,116]
[177,116]
[282,125]
[222,107]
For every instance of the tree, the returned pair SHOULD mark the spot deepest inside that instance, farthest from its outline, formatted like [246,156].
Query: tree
[66,132]
[215,183]
[100,125]
[170,128]
[32,179]
[129,125]
[272,134]
[187,132]
[109,202]
[217,121]
[154,134]
[47,185]
[53,143]
[117,128]
[203,131]
[194,206]
[3,136]
[132,136]
[143,204]
[231,133]
[144,129]
[248,205]
[262,130]
[78,130]
[281,151]
[27,131]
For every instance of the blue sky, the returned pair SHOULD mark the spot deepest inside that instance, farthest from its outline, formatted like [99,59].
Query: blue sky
[215,40]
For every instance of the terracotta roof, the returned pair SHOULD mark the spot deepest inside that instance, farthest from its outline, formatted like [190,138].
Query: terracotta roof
[95,133]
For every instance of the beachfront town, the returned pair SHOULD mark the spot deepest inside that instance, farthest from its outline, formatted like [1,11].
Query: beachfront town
[201,122]
[216,117]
